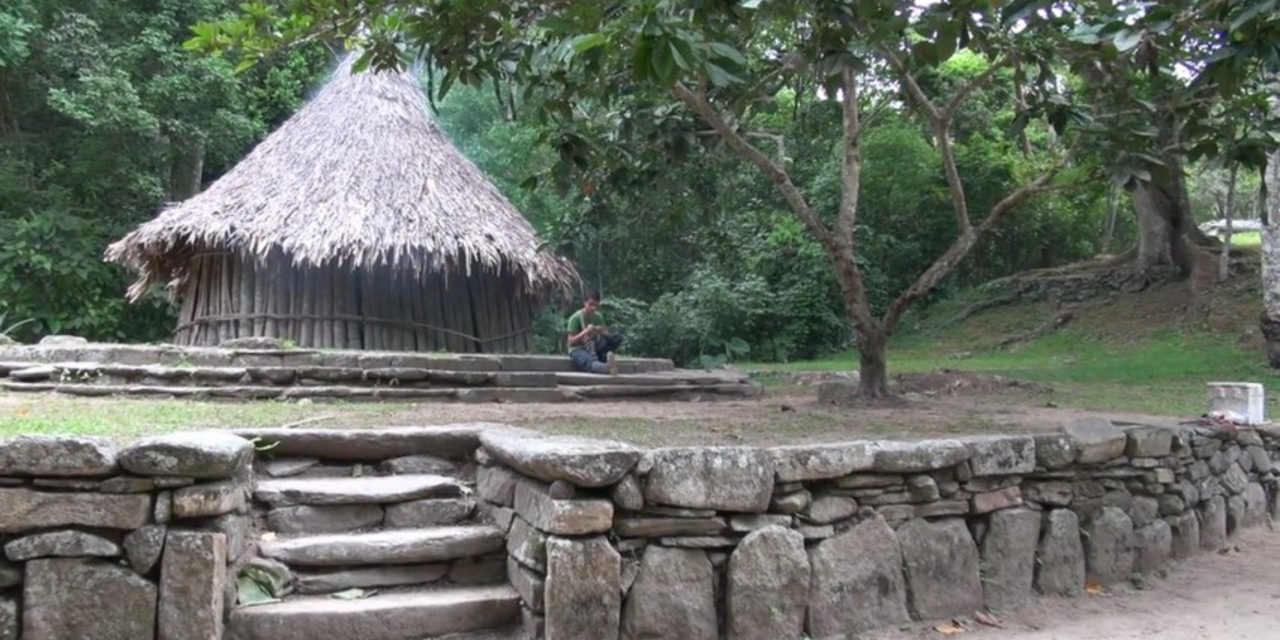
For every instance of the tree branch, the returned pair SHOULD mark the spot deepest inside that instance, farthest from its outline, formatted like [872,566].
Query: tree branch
[913,87]
[852,291]
[973,85]
[941,123]
[965,242]
[851,167]
[775,171]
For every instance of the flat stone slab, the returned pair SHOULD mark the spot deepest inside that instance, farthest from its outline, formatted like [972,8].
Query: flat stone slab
[64,544]
[1108,545]
[857,582]
[1001,455]
[24,510]
[562,517]
[43,455]
[388,616]
[583,593]
[768,585]
[673,596]
[364,490]
[193,577]
[722,478]
[143,547]
[914,457]
[1148,442]
[1009,557]
[1060,555]
[397,546]
[369,577]
[208,500]
[578,461]
[648,527]
[430,511]
[77,599]
[324,519]
[1097,440]
[941,566]
[803,462]
[196,454]
[456,442]
[416,464]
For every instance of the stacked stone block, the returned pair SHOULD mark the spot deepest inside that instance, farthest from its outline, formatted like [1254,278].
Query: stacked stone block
[606,541]
[115,544]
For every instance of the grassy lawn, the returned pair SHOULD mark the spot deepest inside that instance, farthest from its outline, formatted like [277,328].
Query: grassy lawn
[1246,239]
[1148,354]
[1163,374]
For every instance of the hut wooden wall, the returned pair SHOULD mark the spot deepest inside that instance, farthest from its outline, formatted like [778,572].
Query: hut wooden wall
[330,307]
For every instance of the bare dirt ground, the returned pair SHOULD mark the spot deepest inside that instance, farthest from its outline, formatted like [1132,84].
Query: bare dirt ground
[1232,594]
[931,405]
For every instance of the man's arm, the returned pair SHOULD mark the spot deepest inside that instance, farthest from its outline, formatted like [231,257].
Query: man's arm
[578,338]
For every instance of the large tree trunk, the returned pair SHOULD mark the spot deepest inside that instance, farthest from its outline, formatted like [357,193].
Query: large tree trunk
[1224,260]
[1270,215]
[1167,234]
[186,170]
[873,364]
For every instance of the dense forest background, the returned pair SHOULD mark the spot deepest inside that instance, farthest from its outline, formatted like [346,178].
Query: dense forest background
[104,117]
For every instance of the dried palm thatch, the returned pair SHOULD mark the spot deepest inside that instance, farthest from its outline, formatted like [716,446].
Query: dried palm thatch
[360,178]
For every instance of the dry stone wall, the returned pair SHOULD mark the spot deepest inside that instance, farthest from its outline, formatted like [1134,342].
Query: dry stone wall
[606,541]
[120,544]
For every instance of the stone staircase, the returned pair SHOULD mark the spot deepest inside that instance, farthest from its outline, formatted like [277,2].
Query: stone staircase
[259,374]
[389,514]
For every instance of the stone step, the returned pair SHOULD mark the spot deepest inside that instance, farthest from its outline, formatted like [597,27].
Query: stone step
[18,356]
[394,546]
[562,393]
[408,615]
[397,575]
[454,441]
[288,492]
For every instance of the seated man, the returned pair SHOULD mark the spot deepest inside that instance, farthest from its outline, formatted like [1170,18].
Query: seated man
[591,344]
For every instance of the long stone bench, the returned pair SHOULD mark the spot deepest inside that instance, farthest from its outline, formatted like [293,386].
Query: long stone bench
[204,373]
[175,356]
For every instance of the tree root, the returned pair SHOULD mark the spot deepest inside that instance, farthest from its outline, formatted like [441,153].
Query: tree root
[1058,321]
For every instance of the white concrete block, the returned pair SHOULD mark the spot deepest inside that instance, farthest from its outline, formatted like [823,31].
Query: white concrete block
[1247,399]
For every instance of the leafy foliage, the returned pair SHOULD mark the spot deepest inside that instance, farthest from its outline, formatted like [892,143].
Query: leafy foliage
[103,117]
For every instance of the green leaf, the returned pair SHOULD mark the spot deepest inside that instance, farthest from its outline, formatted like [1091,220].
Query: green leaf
[1126,39]
[728,53]
[250,592]
[720,77]
[750,4]
[641,59]
[354,593]
[664,63]
[586,42]
[1252,12]
[682,53]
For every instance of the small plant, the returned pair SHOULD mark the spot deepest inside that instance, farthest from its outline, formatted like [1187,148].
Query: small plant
[5,331]
[733,348]
[263,448]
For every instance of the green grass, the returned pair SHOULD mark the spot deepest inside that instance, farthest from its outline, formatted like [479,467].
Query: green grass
[1163,374]
[128,418]
[1246,239]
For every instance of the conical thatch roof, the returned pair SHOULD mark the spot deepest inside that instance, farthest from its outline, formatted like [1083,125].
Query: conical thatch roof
[360,176]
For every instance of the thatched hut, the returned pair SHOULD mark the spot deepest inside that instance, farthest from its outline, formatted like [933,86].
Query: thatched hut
[356,224]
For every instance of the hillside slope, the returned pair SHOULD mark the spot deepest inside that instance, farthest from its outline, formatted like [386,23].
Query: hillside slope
[1121,346]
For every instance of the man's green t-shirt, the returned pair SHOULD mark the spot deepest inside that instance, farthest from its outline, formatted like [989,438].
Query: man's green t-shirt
[578,322]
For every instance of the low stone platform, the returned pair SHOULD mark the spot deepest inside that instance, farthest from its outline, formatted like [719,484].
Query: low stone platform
[262,374]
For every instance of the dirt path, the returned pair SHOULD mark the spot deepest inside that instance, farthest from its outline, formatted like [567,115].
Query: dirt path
[1212,596]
